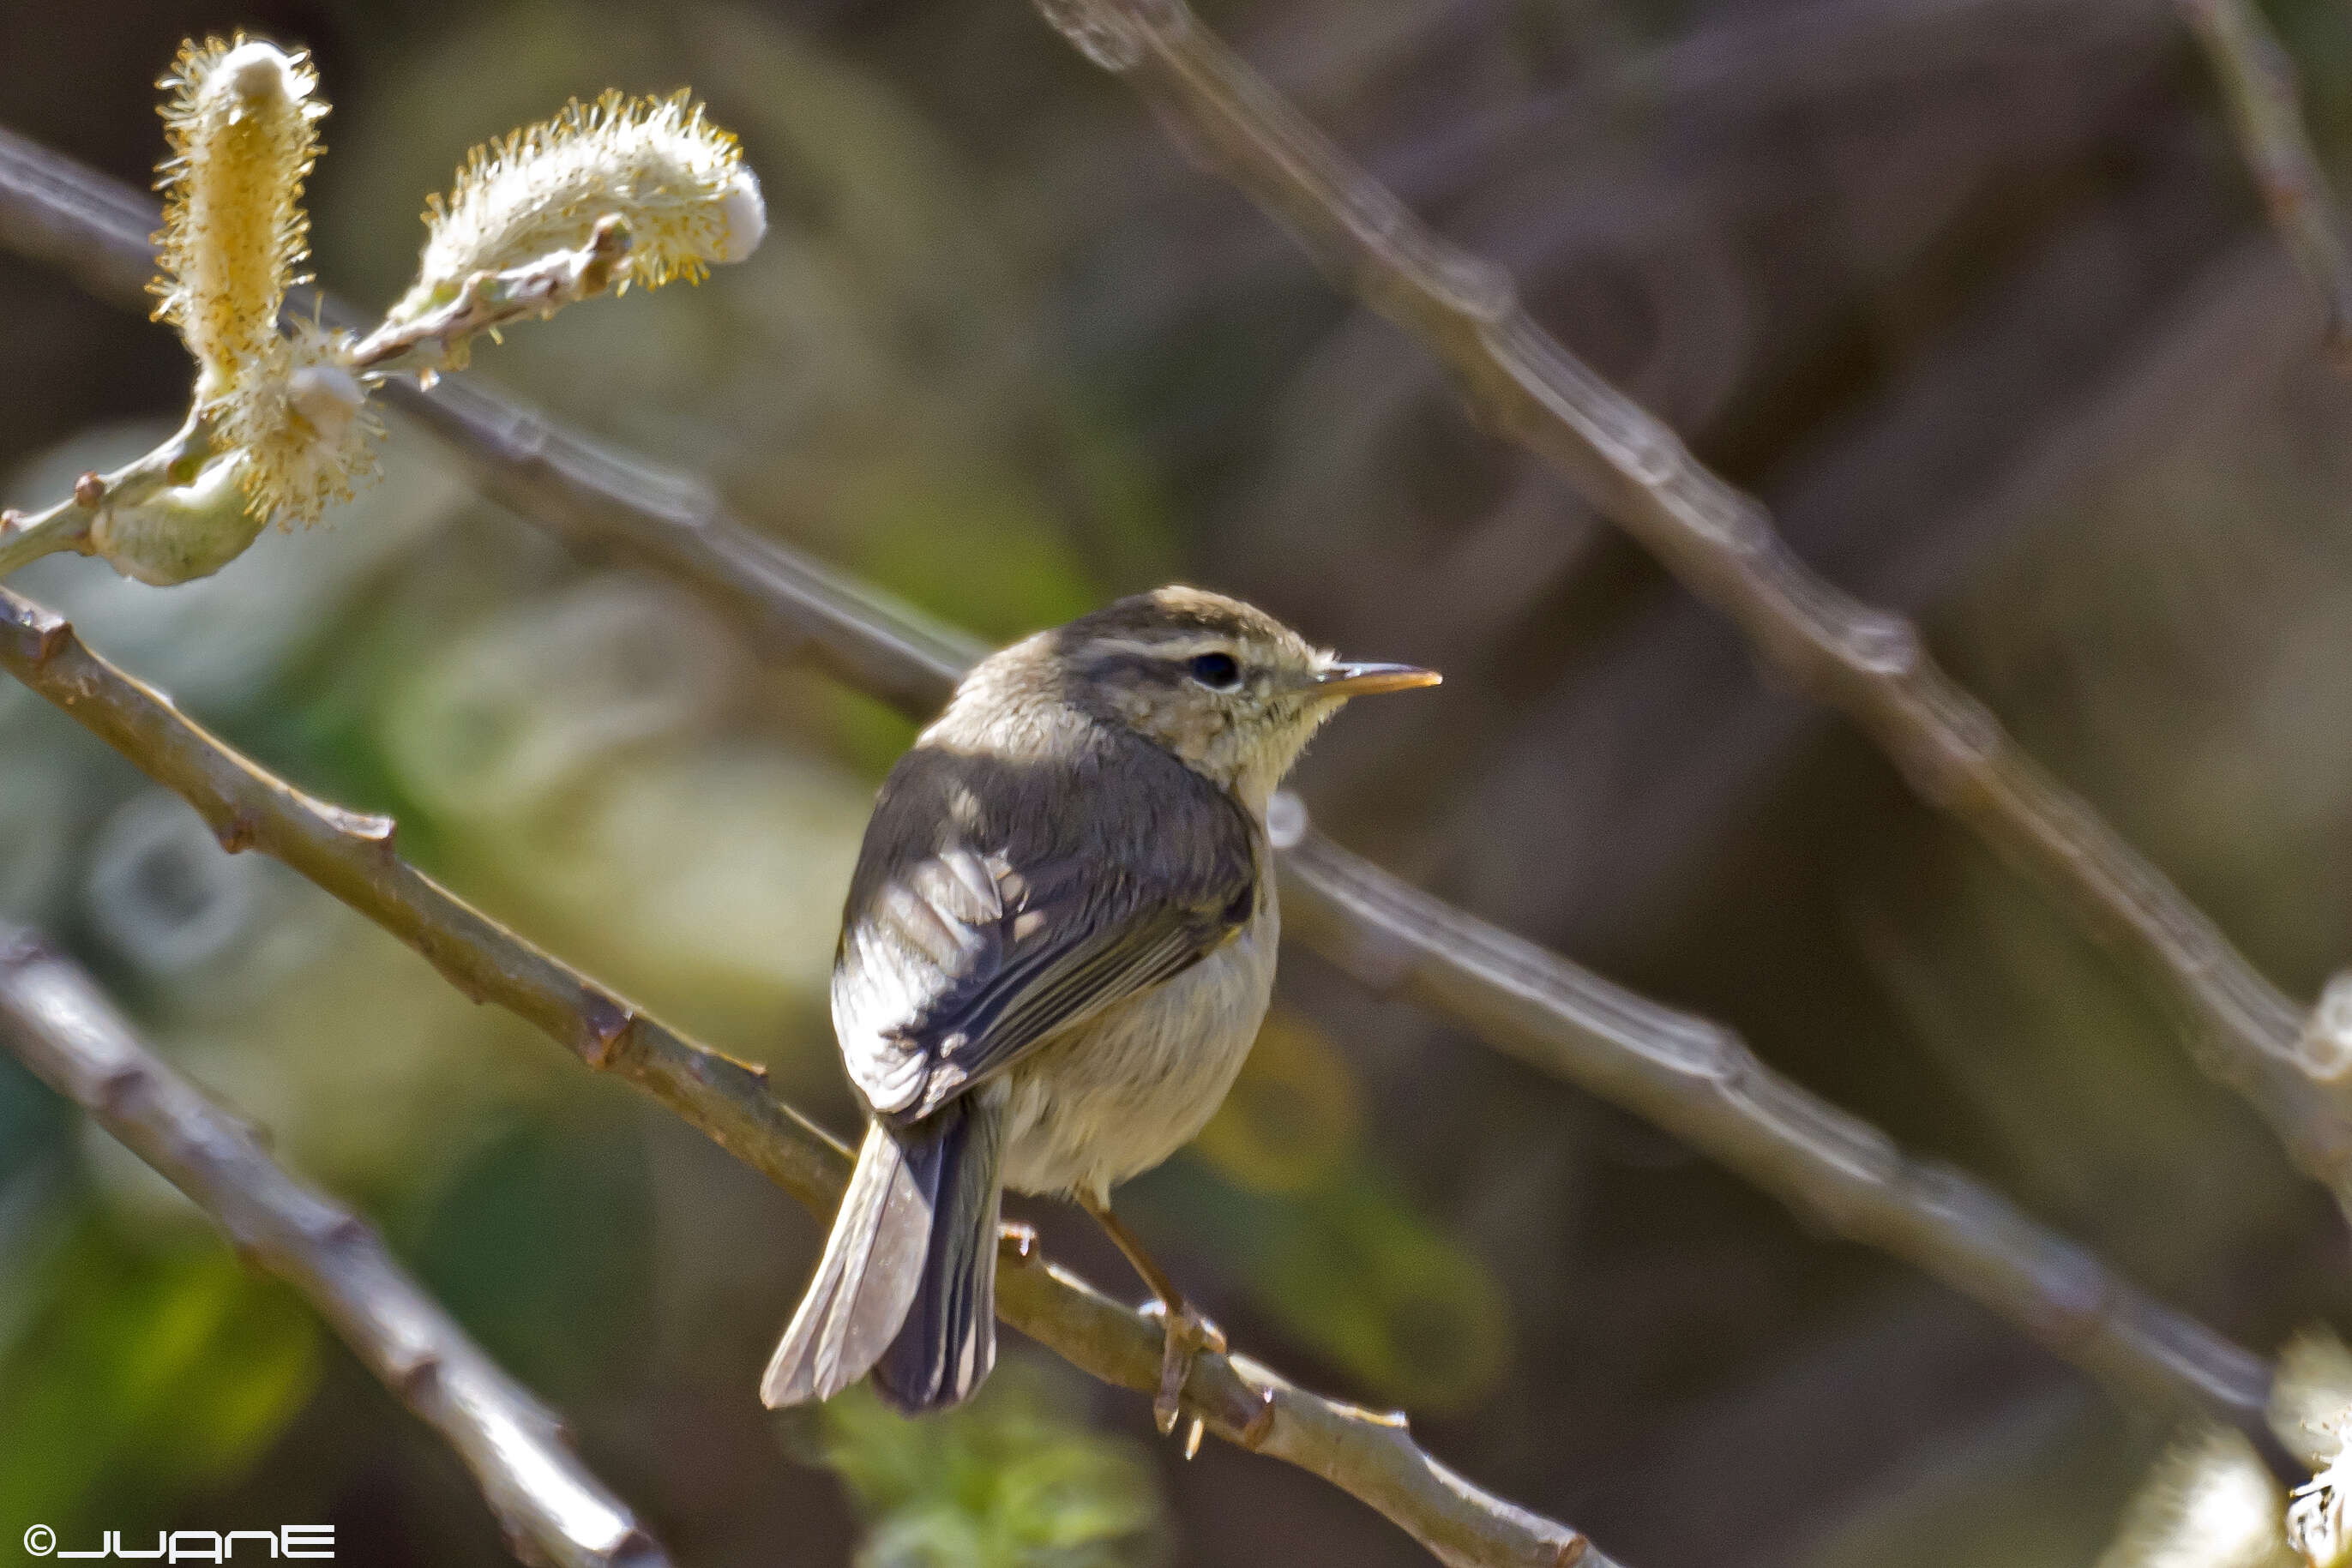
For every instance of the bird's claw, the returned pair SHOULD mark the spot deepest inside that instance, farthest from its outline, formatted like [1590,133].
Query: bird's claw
[1187,1334]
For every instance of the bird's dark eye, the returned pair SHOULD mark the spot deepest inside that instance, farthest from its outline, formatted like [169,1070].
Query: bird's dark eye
[1215,670]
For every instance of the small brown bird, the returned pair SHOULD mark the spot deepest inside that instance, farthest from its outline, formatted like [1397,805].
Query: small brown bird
[1058,949]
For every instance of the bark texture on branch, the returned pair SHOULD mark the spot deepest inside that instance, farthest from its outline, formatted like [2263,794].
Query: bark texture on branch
[553,1510]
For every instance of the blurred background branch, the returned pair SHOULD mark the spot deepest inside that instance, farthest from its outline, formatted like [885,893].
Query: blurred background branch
[53,1016]
[1871,662]
[1698,1079]
[351,856]
[2267,112]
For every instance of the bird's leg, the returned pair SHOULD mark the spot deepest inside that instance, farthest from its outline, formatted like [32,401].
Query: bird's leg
[1188,1332]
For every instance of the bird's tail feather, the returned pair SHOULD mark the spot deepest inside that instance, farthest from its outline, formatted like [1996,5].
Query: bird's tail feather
[872,1265]
[947,1344]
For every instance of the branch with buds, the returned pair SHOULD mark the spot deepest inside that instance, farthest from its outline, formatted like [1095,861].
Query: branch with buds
[624,191]
[61,1025]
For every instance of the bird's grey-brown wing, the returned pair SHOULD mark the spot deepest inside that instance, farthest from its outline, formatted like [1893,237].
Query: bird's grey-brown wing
[995,904]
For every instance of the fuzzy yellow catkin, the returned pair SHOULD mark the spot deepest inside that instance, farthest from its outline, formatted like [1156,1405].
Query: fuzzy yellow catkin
[304,425]
[677,180]
[241,120]
[2210,1502]
[2311,1413]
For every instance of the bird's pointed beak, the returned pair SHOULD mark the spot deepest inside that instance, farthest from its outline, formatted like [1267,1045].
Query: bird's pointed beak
[1344,680]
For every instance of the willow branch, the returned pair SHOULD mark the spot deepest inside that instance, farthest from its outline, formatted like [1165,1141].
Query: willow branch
[61,1026]
[352,856]
[73,523]
[1699,1081]
[2266,107]
[1722,545]
[1685,1072]
[25,539]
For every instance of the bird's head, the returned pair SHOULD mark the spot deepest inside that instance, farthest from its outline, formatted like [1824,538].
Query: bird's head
[1231,690]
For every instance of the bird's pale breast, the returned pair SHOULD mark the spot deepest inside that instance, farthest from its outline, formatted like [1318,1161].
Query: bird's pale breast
[1115,1096]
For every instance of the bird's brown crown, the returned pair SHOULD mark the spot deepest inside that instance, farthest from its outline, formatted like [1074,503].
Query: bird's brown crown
[1174,614]
[1229,690]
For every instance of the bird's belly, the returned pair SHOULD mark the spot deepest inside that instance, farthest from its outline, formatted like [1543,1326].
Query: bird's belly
[1116,1096]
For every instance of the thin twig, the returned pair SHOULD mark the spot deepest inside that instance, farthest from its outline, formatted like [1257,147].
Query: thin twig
[1687,1073]
[61,1026]
[1870,662]
[75,522]
[26,539]
[436,341]
[351,856]
[2265,107]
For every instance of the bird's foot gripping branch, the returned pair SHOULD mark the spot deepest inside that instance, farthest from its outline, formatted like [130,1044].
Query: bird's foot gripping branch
[624,191]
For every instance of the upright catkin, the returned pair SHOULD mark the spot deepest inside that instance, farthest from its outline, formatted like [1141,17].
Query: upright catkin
[242,125]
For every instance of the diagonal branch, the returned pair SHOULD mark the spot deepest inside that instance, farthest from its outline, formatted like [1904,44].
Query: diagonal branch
[2265,109]
[1687,1073]
[1722,545]
[351,856]
[1700,1082]
[553,1510]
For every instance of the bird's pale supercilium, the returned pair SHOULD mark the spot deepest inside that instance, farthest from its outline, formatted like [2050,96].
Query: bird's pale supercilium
[1057,948]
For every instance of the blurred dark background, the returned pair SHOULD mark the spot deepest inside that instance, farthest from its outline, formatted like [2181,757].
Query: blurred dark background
[1973,292]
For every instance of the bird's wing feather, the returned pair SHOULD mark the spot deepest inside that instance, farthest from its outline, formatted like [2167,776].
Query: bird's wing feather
[962,953]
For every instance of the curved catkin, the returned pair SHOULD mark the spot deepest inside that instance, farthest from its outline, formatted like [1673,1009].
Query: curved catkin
[677,180]
[241,120]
